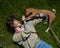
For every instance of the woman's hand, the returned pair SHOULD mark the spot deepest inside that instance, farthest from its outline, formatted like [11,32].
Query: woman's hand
[17,29]
[23,18]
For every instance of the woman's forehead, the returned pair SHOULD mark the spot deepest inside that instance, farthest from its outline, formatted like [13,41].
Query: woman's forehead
[15,20]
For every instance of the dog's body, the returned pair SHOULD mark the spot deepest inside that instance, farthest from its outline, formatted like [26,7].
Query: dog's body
[34,11]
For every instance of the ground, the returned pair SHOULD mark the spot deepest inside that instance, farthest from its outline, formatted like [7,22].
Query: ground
[16,7]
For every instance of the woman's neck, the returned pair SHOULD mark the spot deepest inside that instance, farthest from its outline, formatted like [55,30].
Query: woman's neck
[19,29]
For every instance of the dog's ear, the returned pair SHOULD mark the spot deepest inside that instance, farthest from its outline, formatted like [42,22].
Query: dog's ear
[28,11]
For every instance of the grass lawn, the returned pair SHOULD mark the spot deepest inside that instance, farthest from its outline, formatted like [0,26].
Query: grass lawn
[8,7]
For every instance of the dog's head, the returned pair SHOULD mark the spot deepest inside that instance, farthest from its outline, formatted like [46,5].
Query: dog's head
[29,10]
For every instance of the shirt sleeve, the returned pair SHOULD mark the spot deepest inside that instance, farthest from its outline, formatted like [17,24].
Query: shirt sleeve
[35,21]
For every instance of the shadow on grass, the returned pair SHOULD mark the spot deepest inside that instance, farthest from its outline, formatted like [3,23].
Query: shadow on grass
[1,46]
[20,46]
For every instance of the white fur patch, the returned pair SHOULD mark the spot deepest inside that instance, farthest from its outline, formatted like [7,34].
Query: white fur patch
[47,29]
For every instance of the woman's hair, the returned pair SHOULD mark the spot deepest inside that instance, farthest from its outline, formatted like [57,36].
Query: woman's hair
[9,23]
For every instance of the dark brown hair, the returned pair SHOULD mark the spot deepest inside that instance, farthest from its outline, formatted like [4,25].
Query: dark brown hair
[9,23]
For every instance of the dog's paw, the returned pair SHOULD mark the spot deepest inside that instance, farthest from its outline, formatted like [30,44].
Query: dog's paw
[47,30]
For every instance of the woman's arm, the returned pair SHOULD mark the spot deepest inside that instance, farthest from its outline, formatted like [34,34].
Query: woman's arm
[32,21]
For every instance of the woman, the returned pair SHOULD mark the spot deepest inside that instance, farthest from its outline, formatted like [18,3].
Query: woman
[24,34]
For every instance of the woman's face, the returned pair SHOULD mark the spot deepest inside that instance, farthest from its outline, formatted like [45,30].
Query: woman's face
[16,23]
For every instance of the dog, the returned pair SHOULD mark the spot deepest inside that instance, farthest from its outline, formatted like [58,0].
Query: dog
[34,11]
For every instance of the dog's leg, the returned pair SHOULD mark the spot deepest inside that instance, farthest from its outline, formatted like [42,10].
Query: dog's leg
[48,21]
[47,29]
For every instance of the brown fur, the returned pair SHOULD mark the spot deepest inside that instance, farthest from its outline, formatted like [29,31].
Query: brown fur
[35,11]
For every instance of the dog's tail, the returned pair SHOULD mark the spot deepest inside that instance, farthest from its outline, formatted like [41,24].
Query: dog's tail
[53,10]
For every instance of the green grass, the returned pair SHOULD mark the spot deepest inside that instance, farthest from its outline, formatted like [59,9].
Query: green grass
[8,7]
